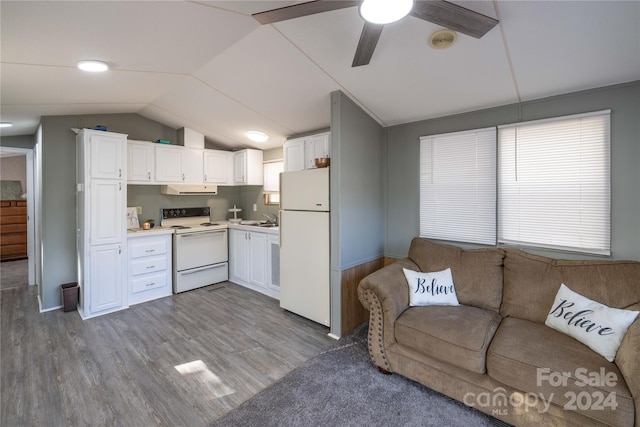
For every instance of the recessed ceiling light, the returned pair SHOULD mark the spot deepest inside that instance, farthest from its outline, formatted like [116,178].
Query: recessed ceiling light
[6,125]
[93,66]
[257,136]
[385,11]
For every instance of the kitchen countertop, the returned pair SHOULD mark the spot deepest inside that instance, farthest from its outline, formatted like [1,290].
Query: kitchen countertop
[139,232]
[255,228]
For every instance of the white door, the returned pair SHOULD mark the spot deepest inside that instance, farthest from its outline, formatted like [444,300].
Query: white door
[107,155]
[140,161]
[192,166]
[200,248]
[240,167]
[238,255]
[316,146]
[168,164]
[305,190]
[216,167]
[304,264]
[293,154]
[258,259]
[107,212]
[106,281]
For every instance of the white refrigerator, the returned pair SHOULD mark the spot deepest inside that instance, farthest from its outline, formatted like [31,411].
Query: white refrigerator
[304,244]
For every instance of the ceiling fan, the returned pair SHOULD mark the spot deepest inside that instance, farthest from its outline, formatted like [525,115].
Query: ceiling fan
[439,12]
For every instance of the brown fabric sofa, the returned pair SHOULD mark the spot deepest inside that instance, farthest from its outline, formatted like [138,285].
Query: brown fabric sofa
[494,352]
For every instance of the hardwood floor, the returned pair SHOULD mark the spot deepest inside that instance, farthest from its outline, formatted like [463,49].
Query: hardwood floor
[178,361]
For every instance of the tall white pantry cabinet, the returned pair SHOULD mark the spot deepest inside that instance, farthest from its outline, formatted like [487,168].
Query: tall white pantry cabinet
[101,221]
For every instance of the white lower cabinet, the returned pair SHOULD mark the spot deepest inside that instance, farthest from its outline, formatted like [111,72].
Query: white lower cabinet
[150,267]
[106,292]
[250,260]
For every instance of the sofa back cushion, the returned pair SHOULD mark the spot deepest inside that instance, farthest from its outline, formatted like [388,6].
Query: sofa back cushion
[477,273]
[531,283]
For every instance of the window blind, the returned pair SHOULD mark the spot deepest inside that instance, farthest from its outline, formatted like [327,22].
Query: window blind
[554,186]
[458,186]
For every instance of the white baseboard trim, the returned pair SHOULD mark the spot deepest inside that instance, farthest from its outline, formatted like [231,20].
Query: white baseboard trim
[42,310]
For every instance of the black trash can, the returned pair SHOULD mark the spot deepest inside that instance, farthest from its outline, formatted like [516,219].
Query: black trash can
[69,296]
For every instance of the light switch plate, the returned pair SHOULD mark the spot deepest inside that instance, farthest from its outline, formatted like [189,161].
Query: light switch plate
[139,210]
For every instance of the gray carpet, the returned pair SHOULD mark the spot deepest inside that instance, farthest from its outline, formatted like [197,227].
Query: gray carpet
[341,387]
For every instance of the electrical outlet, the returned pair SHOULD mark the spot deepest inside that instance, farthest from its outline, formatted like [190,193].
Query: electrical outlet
[139,210]
[255,207]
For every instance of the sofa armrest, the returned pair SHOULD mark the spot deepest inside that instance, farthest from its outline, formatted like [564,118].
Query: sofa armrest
[386,295]
[628,361]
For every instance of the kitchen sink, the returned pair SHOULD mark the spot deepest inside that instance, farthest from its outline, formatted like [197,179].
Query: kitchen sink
[259,224]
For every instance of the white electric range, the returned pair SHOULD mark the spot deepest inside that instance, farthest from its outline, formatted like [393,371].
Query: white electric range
[200,248]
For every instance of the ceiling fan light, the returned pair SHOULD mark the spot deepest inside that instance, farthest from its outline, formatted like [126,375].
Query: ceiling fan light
[92,66]
[257,136]
[385,11]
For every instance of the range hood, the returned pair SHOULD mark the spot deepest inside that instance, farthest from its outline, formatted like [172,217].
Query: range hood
[186,189]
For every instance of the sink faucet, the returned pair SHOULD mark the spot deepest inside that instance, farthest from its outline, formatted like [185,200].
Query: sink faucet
[271,219]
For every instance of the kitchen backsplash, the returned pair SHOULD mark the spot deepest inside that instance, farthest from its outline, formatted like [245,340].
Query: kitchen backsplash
[151,201]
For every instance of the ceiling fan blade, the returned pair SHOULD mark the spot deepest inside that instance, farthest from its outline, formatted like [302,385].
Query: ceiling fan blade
[300,10]
[454,17]
[367,44]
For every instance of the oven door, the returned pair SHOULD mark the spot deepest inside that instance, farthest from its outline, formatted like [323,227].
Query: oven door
[200,248]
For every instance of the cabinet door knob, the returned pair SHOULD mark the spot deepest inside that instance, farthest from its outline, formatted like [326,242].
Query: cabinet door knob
[183,177]
[149,176]
[119,173]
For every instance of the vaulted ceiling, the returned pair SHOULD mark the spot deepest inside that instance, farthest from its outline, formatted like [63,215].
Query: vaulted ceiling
[209,66]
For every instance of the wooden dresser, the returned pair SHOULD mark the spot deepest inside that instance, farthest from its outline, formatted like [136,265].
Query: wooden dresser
[13,229]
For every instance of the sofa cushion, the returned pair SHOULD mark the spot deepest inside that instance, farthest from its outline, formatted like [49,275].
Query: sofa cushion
[477,273]
[457,335]
[536,359]
[532,281]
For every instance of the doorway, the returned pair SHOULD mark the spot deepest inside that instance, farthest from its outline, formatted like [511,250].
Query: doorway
[18,188]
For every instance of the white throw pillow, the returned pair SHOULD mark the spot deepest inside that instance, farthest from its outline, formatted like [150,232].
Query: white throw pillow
[597,326]
[431,288]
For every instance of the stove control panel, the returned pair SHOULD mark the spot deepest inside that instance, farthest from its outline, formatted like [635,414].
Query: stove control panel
[184,212]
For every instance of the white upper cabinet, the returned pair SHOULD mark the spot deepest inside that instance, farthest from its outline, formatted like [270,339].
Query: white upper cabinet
[192,166]
[108,155]
[140,162]
[178,164]
[150,163]
[218,166]
[293,153]
[168,163]
[300,153]
[247,167]
[316,146]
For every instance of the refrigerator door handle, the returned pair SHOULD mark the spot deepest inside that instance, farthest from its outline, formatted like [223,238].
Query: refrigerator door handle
[280,222]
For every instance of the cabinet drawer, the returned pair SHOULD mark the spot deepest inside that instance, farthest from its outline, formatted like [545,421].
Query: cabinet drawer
[149,282]
[148,265]
[148,247]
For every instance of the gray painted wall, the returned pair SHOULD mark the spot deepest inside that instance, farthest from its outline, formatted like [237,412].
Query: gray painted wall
[356,183]
[402,164]
[21,141]
[357,197]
